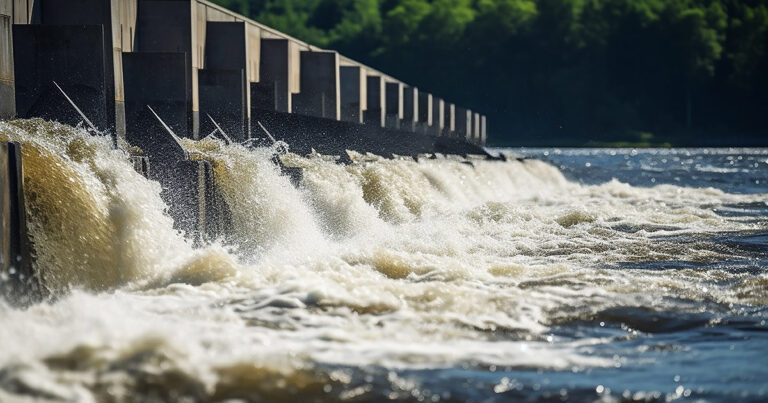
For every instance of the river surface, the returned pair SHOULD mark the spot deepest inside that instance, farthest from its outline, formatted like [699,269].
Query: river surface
[585,275]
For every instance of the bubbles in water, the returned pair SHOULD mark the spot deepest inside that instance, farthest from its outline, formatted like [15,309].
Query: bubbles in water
[392,264]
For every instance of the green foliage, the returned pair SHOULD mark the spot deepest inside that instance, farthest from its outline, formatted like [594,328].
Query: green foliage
[599,70]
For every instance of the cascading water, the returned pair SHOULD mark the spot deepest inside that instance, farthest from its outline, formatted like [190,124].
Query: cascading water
[430,280]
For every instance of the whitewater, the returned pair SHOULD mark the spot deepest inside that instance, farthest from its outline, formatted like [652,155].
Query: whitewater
[435,280]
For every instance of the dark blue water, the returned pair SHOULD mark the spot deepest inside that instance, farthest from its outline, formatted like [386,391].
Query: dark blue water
[677,350]
[603,275]
[732,170]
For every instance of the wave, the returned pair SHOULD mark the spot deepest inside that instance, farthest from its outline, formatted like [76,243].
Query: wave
[383,263]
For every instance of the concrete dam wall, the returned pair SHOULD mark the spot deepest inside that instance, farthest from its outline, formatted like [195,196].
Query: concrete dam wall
[152,74]
[190,59]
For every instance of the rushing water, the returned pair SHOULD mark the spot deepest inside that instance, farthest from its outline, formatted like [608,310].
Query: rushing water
[586,274]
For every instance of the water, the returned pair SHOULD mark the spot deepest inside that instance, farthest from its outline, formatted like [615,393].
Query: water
[433,281]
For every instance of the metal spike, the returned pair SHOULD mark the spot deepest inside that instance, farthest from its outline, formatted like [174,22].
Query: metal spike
[71,102]
[229,140]
[266,131]
[175,137]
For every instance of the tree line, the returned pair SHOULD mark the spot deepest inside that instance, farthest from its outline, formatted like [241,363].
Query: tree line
[561,72]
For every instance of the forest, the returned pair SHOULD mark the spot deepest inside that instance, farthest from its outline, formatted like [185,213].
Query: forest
[562,72]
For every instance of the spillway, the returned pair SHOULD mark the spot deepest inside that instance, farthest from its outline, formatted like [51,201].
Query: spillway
[382,279]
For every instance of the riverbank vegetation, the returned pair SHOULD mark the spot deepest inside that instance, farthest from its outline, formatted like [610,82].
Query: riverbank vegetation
[686,72]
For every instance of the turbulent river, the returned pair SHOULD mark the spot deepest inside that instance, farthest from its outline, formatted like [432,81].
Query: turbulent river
[582,274]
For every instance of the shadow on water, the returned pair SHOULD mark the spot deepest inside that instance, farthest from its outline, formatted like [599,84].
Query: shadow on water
[756,210]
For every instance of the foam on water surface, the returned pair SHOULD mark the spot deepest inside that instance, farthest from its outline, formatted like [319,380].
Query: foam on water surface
[363,273]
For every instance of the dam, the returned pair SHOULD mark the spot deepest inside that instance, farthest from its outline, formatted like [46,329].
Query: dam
[168,234]
[151,73]
[191,59]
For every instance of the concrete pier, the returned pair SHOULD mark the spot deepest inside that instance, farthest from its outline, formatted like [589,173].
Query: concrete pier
[482,131]
[425,112]
[352,93]
[215,39]
[476,128]
[20,282]
[274,72]
[223,85]
[169,26]
[7,92]
[462,122]
[410,108]
[73,57]
[263,97]
[449,126]
[274,66]
[108,14]
[394,99]
[223,96]
[438,117]
[376,103]
[319,83]
[303,132]
[160,80]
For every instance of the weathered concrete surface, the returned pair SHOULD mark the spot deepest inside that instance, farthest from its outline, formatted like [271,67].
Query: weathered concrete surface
[410,108]
[20,285]
[166,26]
[275,65]
[20,10]
[331,137]
[394,98]
[95,12]
[223,96]
[376,106]
[449,126]
[438,117]
[462,122]
[319,82]
[225,46]
[352,93]
[7,93]
[216,39]
[263,96]
[425,112]
[184,189]
[140,164]
[160,80]
[187,185]
[483,132]
[170,26]
[72,56]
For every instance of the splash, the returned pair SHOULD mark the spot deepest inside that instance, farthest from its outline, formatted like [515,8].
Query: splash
[333,287]
[268,213]
[93,220]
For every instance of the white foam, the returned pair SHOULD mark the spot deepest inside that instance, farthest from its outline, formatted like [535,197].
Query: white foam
[386,263]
